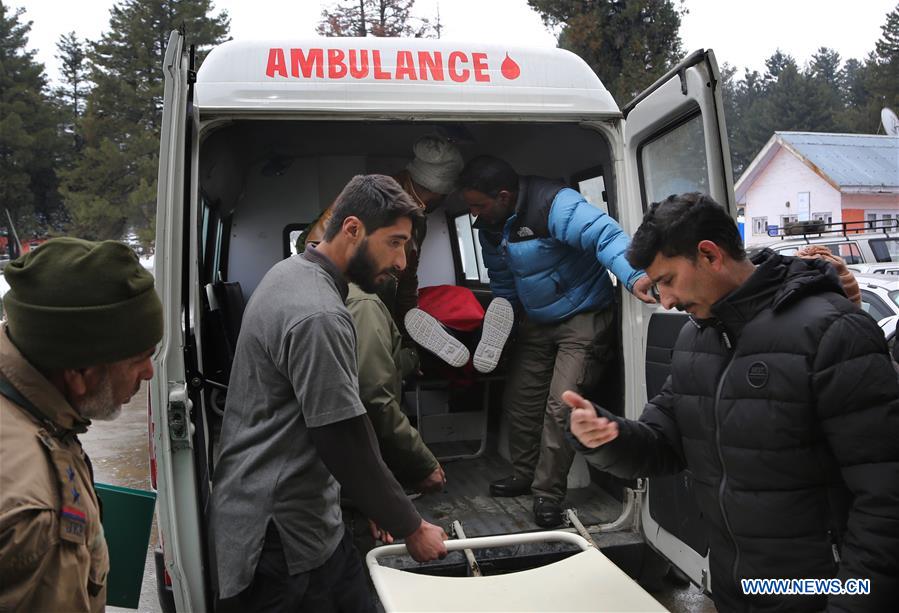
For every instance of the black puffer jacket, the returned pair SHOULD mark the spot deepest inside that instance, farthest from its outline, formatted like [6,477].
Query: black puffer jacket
[785,408]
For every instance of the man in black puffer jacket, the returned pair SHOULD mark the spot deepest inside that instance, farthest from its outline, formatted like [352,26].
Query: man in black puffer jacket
[783,404]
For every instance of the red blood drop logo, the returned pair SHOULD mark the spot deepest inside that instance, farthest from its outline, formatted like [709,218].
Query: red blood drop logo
[510,68]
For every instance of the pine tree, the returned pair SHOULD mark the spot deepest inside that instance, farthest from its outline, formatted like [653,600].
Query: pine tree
[74,88]
[860,113]
[824,82]
[29,143]
[780,99]
[884,83]
[112,187]
[627,43]
[71,95]
[374,18]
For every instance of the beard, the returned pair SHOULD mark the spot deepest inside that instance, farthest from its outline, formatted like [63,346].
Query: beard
[363,270]
[100,404]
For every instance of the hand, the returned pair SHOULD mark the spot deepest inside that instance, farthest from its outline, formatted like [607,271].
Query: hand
[426,543]
[641,289]
[379,534]
[433,483]
[588,427]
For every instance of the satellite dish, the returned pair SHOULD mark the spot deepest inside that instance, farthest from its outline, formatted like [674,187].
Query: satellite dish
[890,122]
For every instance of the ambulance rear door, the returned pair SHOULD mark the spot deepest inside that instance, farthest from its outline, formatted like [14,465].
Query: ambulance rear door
[172,426]
[675,142]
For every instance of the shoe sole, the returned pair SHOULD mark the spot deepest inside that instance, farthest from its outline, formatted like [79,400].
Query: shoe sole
[498,322]
[427,332]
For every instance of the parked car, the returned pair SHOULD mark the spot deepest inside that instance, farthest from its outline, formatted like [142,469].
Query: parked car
[880,295]
[889,326]
[891,269]
[877,243]
[880,299]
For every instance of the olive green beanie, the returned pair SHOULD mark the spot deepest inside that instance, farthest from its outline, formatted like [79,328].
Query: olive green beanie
[73,303]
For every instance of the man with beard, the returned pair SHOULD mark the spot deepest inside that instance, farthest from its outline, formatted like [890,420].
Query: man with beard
[295,431]
[83,321]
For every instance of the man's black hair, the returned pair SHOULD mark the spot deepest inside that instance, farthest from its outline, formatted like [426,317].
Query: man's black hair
[377,200]
[675,226]
[488,174]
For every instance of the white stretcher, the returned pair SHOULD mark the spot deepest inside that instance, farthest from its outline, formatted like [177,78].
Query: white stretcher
[585,581]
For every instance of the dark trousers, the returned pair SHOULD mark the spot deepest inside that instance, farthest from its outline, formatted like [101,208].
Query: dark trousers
[337,586]
[549,359]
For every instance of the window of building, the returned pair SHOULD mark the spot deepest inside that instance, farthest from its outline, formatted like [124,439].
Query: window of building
[788,219]
[825,217]
[759,225]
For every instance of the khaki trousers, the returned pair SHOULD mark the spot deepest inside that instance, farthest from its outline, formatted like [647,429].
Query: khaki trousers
[547,360]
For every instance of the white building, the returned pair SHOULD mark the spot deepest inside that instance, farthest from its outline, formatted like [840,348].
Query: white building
[801,176]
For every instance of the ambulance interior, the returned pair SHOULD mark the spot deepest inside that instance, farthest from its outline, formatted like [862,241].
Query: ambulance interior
[261,181]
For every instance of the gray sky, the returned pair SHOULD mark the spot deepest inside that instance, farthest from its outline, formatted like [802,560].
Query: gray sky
[742,33]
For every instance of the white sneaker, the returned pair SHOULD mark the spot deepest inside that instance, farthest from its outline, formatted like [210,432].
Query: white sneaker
[498,322]
[429,333]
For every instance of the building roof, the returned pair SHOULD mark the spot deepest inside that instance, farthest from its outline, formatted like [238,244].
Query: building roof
[852,163]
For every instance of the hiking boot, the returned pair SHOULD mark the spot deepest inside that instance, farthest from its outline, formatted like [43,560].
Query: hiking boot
[498,322]
[430,334]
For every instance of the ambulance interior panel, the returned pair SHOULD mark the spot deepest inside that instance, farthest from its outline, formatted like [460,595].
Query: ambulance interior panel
[260,177]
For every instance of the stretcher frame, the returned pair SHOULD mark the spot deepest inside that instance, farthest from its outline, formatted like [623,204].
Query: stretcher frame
[585,581]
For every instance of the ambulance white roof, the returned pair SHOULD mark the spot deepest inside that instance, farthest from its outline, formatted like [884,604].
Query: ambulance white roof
[399,77]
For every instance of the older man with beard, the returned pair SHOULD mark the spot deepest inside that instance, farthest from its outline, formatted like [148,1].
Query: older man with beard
[83,321]
[295,430]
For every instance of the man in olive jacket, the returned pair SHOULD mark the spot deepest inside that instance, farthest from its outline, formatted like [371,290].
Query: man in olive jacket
[83,321]
[383,362]
[783,405]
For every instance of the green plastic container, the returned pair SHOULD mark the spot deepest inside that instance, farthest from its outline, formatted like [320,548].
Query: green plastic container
[127,521]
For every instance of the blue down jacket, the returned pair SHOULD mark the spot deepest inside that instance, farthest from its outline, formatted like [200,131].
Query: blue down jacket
[551,255]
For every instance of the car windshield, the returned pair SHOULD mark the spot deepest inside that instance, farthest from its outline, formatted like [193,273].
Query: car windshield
[894,296]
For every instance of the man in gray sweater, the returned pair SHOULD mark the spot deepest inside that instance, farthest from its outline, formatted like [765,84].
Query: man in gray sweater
[295,430]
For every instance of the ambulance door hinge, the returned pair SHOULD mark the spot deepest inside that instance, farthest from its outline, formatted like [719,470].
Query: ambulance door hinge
[180,426]
[682,75]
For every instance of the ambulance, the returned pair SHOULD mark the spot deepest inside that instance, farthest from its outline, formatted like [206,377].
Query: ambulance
[259,140]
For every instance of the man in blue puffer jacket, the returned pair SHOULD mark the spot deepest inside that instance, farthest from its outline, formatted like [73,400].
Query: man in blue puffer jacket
[547,251]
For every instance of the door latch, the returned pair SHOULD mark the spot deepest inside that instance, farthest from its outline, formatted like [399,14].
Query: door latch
[180,426]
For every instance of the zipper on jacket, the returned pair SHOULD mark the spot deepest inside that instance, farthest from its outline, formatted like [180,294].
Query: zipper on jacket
[723,484]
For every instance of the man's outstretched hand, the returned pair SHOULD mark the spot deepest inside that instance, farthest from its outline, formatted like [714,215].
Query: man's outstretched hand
[641,289]
[588,427]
